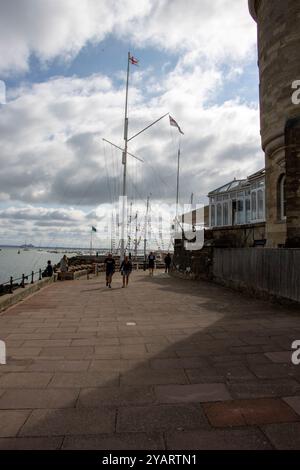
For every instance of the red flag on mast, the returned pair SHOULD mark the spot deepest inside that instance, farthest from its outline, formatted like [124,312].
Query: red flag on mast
[133,60]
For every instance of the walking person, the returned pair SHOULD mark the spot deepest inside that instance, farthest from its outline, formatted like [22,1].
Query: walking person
[126,268]
[168,261]
[109,269]
[151,263]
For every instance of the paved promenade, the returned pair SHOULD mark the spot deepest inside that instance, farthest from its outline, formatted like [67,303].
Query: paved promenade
[163,364]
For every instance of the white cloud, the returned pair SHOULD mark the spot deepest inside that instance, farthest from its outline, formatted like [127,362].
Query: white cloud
[51,148]
[217,30]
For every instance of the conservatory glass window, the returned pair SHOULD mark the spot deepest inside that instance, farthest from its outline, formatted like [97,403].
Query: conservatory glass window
[219,215]
[260,204]
[225,213]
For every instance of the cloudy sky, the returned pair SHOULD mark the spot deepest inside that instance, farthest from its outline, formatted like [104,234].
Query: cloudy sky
[64,66]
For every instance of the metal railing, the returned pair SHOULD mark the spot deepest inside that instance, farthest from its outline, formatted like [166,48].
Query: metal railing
[11,284]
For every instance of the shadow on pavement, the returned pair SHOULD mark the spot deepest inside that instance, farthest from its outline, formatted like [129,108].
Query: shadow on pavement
[163,364]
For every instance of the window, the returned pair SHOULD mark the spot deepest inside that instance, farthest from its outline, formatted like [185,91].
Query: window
[240,212]
[213,216]
[248,210]
[282,197]
[234,212]
[253,205]
[219,215]
[225,213]
[260,204]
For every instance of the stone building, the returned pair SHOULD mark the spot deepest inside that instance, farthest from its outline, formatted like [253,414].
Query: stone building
[278,25]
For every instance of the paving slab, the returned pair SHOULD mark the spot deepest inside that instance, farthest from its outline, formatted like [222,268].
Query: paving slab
[119,441]
[69,422]
[146,376]
[43,365]
[280,357]
[233,439]
[293,402]
[249,412]
[31,443]
[192,393]
[25,380]
[11,421]
[84,379]
[38,398]
[283,436]
[116,396]
[160,418]
[264,388]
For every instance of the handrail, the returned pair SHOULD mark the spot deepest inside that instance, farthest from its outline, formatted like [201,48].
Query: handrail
[24,277]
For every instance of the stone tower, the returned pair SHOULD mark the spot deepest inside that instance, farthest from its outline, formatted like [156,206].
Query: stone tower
[278,25]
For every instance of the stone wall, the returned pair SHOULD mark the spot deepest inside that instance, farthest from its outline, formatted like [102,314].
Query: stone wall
[198,264]
[239,236]
[293,187]
[278,25]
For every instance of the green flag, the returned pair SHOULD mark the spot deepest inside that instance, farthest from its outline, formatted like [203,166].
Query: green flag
[94,229]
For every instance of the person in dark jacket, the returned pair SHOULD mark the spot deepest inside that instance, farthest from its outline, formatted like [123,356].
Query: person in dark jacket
[151,263]
[49,270]
[126,268]
[168,261]
[110,269]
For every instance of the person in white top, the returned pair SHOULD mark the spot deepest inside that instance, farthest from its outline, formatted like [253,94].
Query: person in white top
[64,264]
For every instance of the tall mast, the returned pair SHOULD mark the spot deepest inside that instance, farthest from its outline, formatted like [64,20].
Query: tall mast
[136,235]
[129,228]
[111,233]
[124,162]
[145,239]
[177,190]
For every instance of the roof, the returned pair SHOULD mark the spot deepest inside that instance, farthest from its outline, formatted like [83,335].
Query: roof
[258,174]
[237,185]
[233,185]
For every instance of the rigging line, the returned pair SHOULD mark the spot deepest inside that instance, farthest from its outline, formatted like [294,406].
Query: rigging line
[112,166]
[139,194]
[77,203]
[157,175]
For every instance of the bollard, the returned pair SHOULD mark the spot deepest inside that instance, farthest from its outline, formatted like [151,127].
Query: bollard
[23,281]
[32,276]
[11,285]
[40,275]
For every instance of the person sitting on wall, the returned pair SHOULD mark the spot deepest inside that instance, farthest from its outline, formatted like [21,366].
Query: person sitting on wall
[49,270]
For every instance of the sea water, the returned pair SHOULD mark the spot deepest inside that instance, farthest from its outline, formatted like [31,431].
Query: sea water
[17,261]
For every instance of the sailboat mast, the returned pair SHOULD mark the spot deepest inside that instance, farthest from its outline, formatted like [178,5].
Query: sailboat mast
[124,162]
[177,190]
[145,239]
[91,243]
[136,235]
